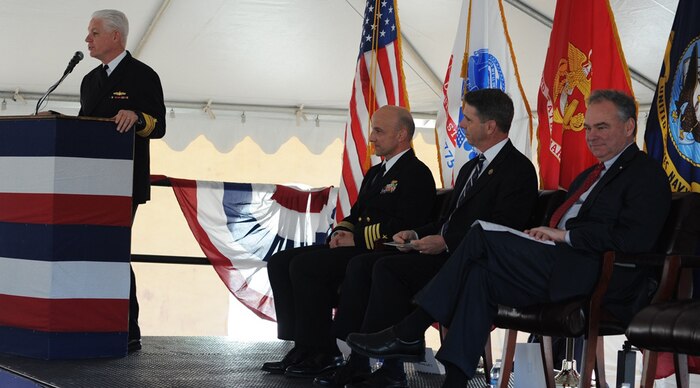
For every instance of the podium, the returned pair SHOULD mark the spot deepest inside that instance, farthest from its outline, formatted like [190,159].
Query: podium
[65,237]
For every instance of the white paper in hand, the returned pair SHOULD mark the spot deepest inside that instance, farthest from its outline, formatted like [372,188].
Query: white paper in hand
[491,227]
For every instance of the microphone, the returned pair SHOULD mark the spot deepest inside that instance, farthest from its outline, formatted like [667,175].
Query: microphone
[77,57]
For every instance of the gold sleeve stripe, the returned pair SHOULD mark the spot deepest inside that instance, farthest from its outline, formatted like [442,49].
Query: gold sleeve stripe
[346,225]
[368,241]
[371,235]
[149,127]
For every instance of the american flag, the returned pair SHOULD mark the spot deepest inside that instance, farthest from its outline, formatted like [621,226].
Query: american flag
[379,81]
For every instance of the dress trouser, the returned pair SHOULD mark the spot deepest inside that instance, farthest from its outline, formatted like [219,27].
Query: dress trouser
[488,269]
[305,283]
[379,288]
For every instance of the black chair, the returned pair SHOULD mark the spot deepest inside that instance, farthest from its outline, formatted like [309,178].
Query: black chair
[671,323]
[586,315]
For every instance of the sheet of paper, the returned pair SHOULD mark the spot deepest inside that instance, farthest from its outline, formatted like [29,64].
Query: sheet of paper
[399,245]
[491,227]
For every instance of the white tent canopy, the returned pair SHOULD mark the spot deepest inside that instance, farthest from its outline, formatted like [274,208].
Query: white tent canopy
[277,55]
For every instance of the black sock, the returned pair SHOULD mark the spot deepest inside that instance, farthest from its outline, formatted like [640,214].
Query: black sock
[358,361]
[454,378]
[413,327]
[394,368]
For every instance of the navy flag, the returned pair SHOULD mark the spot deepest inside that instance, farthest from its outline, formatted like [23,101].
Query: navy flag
[673,129]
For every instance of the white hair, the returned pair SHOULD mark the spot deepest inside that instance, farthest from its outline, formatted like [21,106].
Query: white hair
[114,20]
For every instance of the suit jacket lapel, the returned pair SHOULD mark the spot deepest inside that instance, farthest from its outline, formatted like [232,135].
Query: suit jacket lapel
[491,169]
[391,174]
[609,175]
[106,88]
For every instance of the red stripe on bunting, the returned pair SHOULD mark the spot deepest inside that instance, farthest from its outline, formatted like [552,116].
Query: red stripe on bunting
[64,315]
[65,209]
[301,201]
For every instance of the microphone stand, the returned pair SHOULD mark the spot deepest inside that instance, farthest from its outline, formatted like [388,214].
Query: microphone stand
[71,65]
[51,89]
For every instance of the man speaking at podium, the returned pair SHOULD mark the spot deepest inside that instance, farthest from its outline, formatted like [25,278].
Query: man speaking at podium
[129,92]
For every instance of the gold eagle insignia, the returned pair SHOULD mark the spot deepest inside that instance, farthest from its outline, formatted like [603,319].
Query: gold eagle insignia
[573,74]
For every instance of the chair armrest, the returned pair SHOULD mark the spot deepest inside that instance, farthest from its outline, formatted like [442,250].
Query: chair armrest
[644,259]
[674,280]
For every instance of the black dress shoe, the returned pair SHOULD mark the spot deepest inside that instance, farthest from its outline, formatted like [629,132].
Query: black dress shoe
[278,367]
[314,366]
[385,344]
[133,345]
[346,374]
[381,379]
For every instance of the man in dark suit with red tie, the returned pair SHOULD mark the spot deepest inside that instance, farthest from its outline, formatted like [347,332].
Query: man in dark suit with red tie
[129,92]
[498,185]
[622,209]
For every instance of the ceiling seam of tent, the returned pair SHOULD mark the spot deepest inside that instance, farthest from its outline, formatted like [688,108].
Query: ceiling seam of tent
[151,26]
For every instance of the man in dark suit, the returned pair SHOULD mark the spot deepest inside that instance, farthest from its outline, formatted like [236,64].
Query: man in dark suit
[619,204]
[498,185]
[395,195]
[129,92]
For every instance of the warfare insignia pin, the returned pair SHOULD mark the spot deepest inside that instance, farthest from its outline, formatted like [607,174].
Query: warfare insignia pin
[389,188]
[119,95]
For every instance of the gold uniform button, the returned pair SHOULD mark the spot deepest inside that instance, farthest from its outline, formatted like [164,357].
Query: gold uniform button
[359,219]
[368,219]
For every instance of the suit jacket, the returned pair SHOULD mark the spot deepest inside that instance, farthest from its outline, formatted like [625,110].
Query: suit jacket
[401,199]
[505,194]
[624,212]
[131,86]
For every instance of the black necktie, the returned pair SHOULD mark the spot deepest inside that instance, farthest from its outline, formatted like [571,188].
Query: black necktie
[463,194]
[103,75]
[377,178]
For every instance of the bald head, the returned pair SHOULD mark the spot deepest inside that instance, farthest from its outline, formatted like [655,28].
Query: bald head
[392,130]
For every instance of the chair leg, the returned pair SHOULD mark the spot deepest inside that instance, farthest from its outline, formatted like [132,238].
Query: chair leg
[547,360]
[589,356]
[507,357]
[680,361]
[649,368]
[488,360]
[600,364]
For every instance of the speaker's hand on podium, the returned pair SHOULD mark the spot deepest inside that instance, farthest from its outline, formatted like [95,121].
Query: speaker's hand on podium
[125,120]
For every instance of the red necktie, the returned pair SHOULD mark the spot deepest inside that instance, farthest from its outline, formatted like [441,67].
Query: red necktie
[590,180]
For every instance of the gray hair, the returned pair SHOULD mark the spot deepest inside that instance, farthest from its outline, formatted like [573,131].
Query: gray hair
[114,20]
[626,107]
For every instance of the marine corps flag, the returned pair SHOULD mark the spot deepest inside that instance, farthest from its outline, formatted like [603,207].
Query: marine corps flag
[584,54]
[673,128]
